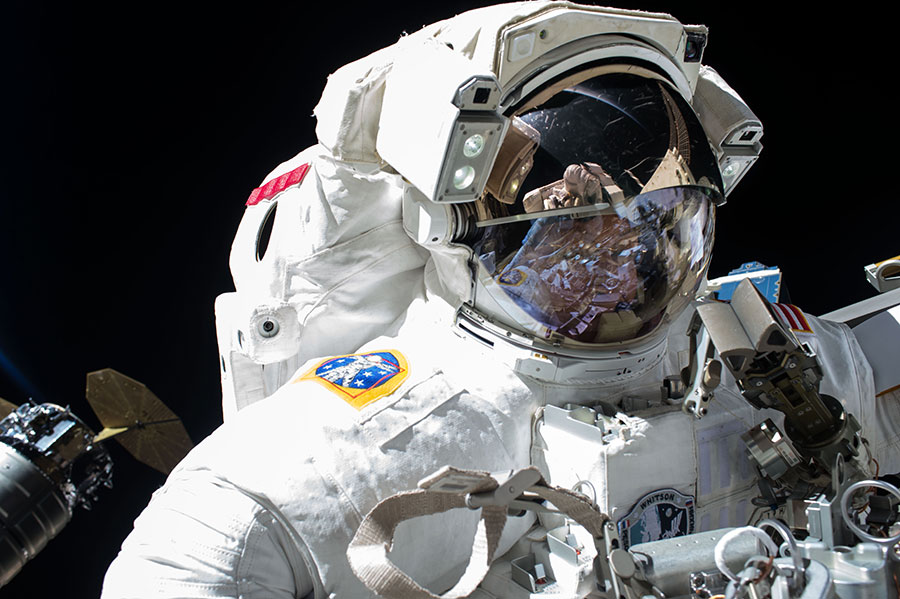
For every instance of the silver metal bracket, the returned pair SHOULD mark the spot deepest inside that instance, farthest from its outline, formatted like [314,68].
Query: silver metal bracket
[703,374]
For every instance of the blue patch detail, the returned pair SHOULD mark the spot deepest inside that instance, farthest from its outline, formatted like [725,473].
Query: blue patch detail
[662,514]
[768,282]
[360,372]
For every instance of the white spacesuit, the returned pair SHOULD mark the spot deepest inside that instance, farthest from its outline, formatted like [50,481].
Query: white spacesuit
[488,262]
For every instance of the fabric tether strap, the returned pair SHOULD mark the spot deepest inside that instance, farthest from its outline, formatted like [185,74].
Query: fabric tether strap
[368,551]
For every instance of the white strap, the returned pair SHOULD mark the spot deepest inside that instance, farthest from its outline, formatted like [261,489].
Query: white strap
[368,551]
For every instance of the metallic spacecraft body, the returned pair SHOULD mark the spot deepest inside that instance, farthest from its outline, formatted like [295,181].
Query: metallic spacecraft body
[51,462]
[50,466]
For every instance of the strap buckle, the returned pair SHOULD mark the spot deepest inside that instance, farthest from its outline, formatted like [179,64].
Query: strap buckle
[481,489]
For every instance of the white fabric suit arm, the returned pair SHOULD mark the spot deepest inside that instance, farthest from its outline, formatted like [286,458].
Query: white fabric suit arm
[198,538]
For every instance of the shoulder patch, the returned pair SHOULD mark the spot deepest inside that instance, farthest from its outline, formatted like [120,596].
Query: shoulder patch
[793,317]
[662,514]
[277,185]
[360,379]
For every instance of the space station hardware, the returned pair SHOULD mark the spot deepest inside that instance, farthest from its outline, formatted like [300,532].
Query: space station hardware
[51,462]
[50,465]
[773,369]
[577,551]
[766,279]
[884,275]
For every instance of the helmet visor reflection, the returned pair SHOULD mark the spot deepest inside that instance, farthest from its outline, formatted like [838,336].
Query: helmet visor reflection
[600,273]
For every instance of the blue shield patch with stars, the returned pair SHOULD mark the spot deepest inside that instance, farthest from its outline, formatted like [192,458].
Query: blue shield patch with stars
[662,514]
[360,379]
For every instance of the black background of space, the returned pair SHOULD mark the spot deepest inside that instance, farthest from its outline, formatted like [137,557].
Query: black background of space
[132,133]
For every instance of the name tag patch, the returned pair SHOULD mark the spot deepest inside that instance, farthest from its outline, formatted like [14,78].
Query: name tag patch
[360,379]
[662,514]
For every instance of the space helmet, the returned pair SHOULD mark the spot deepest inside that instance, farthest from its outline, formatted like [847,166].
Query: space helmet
[565,172]
[597,220]
[539,165]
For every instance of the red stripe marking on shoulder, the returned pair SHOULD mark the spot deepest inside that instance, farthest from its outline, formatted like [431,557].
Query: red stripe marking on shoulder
[277,185]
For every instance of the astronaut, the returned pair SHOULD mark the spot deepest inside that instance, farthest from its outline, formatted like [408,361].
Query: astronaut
[489,262]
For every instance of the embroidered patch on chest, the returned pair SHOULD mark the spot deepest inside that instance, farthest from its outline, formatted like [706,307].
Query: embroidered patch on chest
[662,514]
[360,379]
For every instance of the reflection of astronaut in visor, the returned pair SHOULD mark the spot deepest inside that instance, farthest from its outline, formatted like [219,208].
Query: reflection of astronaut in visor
[582,185]
[605,275]
[571,271]
[598,216]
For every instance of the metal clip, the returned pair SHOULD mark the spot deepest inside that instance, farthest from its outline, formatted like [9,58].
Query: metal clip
[703,374]
[511,485]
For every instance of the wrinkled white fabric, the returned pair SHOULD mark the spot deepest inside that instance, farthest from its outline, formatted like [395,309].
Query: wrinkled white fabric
[338,271]
[320,464]
[266,506]
[313,462]
[206,540]
[879,338]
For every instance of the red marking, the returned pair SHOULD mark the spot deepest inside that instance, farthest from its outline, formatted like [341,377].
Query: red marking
[798,314]
[277,185]
[541,581]
[785,316]
[793,317]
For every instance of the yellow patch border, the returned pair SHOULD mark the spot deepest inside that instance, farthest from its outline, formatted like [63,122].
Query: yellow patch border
[523,274]
[360,398]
